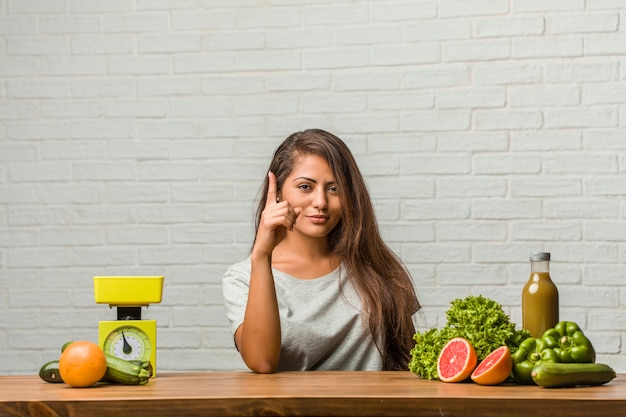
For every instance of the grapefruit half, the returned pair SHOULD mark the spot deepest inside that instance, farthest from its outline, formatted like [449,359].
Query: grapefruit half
[495,368]
[456,361]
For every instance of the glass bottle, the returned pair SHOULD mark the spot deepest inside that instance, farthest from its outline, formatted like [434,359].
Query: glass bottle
[540,297]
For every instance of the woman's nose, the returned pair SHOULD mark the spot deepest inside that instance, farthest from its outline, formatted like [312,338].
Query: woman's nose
[319,199]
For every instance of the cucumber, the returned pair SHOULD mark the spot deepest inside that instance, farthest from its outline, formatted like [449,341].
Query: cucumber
[552,375]
[49,372]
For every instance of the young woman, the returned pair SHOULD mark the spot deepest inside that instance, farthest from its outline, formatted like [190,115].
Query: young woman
[320,289]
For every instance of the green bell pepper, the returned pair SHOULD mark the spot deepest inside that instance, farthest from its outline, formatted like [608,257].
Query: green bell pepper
[569,343]
[530,353]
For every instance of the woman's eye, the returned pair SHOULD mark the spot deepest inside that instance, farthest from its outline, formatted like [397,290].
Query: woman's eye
[333,189]
[304,186]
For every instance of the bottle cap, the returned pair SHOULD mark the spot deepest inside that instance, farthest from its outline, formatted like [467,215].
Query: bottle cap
[540,256]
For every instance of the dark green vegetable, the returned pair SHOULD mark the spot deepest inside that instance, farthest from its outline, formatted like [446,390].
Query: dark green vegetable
[552,375]
[531,352]
[569,343]
[480,320]
[49,372]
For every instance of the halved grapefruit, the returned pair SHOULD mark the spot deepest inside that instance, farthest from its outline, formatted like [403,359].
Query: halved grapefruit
[456,361]
[495,368]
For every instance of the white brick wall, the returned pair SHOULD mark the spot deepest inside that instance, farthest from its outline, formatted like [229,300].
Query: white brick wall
[134,136]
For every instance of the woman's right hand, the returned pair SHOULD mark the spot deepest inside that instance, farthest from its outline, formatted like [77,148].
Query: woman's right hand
[277,218]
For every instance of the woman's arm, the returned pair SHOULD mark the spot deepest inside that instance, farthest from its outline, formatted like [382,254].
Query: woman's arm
[258,338]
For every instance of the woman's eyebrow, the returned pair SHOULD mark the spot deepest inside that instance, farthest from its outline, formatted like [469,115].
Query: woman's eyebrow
[311,180]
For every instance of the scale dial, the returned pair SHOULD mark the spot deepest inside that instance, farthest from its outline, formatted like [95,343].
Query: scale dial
[129,343]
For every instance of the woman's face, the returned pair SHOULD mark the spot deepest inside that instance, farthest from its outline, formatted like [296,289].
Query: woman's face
[311,186]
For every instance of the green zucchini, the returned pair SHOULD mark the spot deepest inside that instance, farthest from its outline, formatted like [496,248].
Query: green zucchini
[552,375]
[49,372]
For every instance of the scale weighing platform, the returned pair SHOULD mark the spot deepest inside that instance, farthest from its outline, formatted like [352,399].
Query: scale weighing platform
[129,337]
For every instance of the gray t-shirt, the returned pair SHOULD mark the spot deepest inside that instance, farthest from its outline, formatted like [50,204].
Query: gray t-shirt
[321,323]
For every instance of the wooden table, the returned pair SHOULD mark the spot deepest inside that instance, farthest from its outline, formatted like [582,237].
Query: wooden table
[305,393]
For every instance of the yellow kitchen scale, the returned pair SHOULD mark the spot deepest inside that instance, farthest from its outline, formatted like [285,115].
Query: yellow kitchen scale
[129,337]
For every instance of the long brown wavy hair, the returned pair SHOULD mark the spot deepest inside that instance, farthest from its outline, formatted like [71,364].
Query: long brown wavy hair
[381,279]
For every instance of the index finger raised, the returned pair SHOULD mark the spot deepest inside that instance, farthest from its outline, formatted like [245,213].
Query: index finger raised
[271,188]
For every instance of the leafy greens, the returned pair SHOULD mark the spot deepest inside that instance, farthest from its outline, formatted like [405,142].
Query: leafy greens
[480,320]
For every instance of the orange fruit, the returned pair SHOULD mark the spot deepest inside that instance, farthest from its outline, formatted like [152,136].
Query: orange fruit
[82,364]
[456,361]
[495,368]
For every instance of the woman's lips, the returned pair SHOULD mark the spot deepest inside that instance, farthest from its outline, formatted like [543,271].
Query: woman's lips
[318,219]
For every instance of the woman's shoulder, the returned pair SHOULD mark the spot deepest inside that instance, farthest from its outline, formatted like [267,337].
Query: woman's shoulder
[239,268]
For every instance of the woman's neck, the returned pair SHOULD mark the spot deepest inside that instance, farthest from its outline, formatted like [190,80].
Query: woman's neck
[304,258]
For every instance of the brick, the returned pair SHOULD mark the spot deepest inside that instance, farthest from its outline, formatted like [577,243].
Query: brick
[46,88]
[605,44]
[509,26]
[600,116]
[200,21]
[172,86]
[72,150]
[111,45]
[95,6]
[583,22]
[334,58]
[335,15]
[480,97]
[33,45]
[457,8]
[545,231]
[39,257]
[435,209]
[553,6]
[19,66]
[139,65]
[165,44]
[441,120]
[544,96]
[580,208]
[29,216]
[74,65]
[248,40]
[23,110]
[582,164]
[109,87]
[136,22]
[68,24]
[547,187]
[18,25]
[401,10]
[216,62]
[141,235]
[34,6]
[482,50]
[435,164]
[71,193]
[268,17]
[320,103]
[417,53]
[136,193]
[105,256]
[73,109]
[45,171]
[507,73]
[156,108]
[505,163]
[355,36]
[588,70]
[501,209]
[507,119]
[546,140]
[471,187]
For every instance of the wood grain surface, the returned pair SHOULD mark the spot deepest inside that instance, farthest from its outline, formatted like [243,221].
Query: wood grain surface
[304,393]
